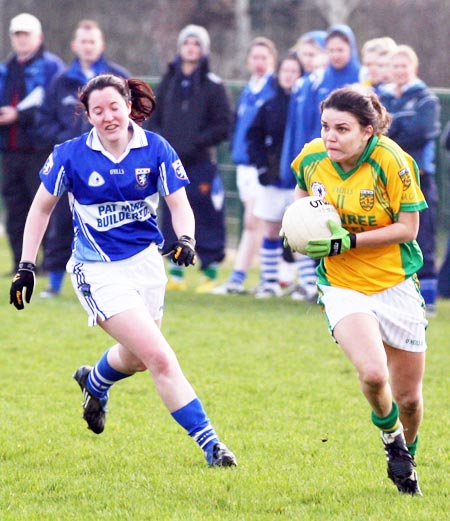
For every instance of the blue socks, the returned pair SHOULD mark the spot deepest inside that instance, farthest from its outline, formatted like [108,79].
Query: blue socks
[55,280]
[192,417]
[428,288]
[271,253]
[237,277]
[102,377]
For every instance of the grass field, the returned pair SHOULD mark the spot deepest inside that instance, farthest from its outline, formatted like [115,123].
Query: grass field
[279,391]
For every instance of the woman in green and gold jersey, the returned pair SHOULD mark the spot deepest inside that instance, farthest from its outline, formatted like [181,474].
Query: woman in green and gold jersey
[367,273]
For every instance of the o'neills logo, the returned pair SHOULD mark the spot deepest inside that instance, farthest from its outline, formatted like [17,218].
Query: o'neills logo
[406,178]
[142,176]
[366,199]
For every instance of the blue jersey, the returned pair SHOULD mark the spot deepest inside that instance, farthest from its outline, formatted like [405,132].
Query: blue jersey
[114,202]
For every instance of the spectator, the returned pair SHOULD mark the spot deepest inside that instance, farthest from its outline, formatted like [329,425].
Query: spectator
[194,115]
[261,63]
[297,134]
[307,48]
[444,272]
[304,121]
[265,139]
[415,126]
[343,69]
[57,121]
[23,79]
[375,54]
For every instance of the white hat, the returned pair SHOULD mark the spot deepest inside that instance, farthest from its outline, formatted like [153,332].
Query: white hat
[25,23]
[198,32]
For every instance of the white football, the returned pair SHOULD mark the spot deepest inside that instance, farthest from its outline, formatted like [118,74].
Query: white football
[306,220]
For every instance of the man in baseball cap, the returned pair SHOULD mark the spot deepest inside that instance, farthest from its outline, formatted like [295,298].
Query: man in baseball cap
[24,76]
[25,23]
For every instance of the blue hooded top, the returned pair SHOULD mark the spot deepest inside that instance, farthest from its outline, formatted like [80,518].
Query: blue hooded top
[335,78]
[248,105]
[300,118]
[415,121]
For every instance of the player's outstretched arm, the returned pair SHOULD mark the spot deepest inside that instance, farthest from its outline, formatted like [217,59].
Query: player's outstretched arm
[183,222]
[22,285]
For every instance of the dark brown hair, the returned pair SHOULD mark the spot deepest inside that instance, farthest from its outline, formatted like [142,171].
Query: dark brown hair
[137,91]
[364,105]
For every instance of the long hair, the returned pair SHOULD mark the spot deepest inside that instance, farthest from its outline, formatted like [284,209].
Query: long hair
[137,91]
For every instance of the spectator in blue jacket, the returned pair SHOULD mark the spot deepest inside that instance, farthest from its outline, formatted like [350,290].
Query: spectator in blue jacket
[261,63]
[444,272]
[23,79]
[343,69]
[415,112]
[298,133]
[265,139]
[59,120]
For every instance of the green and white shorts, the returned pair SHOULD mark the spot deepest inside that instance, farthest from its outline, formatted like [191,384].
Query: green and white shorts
[400,312]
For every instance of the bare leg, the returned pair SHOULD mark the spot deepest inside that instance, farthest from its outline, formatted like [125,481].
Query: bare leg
[250,240]
[143,344]
[359,336]
[406,370]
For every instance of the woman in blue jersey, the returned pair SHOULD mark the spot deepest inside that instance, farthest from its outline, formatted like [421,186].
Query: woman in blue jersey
[114,176]
[261,61]
[265,138]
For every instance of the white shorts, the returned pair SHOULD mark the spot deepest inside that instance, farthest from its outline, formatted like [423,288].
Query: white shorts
[247,182]
[271,202]
[400,312]
[108,288]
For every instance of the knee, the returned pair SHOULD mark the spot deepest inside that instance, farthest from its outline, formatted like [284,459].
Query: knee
[161,362]
[410,402]
[374,378]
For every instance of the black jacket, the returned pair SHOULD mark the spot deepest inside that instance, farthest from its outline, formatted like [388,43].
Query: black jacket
[265,137]
[193,113]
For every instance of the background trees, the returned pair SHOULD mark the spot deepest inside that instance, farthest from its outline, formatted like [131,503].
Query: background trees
[141,34]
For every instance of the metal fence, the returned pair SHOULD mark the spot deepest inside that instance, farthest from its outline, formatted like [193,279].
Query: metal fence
[233,204]
[234,207]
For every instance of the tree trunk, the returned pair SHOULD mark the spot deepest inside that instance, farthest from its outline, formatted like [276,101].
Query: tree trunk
[336,11]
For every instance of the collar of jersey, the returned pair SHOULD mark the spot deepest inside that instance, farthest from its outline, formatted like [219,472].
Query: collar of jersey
[367,151]
[138,140]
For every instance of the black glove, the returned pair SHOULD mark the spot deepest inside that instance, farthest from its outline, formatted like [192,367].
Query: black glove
[183,251]
[23,279]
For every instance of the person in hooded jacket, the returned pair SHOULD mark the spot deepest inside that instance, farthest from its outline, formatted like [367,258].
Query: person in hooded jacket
[343,69]
[415,112]
[297,134]
[194,114]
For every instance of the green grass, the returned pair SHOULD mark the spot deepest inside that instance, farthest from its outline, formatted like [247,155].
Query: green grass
[278,390]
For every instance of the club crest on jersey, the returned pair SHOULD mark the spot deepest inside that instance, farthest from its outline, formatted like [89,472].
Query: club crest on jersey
[366,199]
[405,177]
[180,172]
[142,176]
[95,179]
[318,189]
[48,165]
